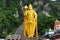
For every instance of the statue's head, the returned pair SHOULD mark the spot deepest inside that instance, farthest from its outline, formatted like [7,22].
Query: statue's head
[30,7]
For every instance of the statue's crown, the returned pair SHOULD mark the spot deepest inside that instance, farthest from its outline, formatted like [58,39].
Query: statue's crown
[30,6]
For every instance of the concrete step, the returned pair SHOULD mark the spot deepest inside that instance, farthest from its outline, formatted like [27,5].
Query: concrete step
[26,38]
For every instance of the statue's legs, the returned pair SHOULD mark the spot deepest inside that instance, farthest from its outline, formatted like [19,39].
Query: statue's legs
[31,28]
[28,29]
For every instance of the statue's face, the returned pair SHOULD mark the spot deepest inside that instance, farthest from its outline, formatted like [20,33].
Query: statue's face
[30,9]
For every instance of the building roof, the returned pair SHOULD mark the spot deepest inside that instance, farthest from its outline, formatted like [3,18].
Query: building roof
[2,39]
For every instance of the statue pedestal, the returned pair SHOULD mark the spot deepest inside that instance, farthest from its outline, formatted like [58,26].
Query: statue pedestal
[26,38]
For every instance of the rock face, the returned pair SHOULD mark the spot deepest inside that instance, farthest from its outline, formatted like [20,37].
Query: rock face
[46,9]
[20,30]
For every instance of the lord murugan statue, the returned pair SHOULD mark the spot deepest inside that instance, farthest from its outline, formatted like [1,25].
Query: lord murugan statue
[30,22]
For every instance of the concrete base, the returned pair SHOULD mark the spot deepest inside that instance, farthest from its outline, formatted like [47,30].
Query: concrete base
[26,38]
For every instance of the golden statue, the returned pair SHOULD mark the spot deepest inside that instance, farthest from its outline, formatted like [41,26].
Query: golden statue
[30,22]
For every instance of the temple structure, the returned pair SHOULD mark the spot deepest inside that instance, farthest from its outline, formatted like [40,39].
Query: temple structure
[57,25]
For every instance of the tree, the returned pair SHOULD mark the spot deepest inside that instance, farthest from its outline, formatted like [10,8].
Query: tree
[45,22]
[8,22]
[55,9]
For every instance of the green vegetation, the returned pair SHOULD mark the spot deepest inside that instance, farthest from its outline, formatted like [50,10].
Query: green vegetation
[55,9]
[8,22]
[45,23]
